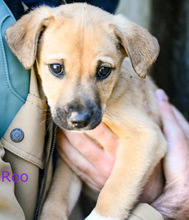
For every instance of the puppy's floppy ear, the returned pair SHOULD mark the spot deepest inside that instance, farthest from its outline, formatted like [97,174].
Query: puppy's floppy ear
[141,47]
[22,37]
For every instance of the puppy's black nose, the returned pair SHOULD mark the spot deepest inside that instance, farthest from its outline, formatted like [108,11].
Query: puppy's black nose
[79,119]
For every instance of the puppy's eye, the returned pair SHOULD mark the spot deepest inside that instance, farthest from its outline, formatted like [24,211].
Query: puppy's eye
[103,72]
[56,69]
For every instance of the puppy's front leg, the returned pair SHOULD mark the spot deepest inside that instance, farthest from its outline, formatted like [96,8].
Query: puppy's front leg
[138,153]
[63,194]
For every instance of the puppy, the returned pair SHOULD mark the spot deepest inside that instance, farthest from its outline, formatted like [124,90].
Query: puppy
[92,66]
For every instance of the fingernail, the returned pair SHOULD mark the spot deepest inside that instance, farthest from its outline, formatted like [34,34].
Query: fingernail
[161,95]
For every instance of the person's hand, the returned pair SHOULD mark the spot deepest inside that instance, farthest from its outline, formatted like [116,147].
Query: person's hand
[174,202]
[92,162]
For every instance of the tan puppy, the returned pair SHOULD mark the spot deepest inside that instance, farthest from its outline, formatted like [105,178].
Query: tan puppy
[79,51]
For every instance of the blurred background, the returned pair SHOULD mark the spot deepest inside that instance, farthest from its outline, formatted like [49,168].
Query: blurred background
[168,21]
[138,11]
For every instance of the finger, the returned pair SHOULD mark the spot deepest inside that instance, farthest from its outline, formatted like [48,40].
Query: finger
[106,138]
[177,143]
[178,151]
[85,145]
[65,148]
[101,159]
[79,164]
[171,126]
[98,172]
[182,121]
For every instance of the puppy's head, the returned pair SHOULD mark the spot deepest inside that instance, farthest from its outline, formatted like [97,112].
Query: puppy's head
[78,50]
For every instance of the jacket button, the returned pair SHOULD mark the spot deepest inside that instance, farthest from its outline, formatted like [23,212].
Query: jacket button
[17,135]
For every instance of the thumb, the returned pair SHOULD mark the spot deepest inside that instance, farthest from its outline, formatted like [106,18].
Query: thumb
[177,147]
[171,126]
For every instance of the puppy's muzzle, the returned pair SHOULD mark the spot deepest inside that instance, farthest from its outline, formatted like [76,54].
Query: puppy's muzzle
[78,117]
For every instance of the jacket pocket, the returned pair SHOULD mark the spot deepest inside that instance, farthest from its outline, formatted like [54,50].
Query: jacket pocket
[25,137]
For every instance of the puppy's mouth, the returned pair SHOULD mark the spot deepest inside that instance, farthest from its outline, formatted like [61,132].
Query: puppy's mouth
[78,119]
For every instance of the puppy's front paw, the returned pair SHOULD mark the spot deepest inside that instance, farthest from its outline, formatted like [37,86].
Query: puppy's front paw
[95,215]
